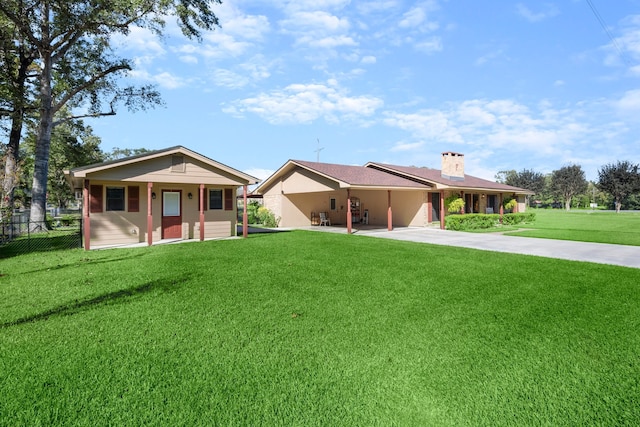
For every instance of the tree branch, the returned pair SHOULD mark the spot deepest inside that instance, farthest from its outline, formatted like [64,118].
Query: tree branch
[83,116]
[89,83]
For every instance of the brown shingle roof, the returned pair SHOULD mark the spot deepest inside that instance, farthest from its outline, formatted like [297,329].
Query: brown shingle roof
[434,175]
[359,175]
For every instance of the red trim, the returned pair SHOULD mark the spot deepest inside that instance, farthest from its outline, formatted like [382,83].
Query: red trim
[149,214]
[389,213]
[95,201]
[441,209]
[201,205]
[228,199]
[245,218]
[133,198]
[348,211]
[501,208]
[85,214]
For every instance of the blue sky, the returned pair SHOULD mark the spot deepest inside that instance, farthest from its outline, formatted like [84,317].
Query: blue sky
[511,85]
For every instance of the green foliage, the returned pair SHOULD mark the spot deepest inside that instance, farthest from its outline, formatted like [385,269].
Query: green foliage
[72,144]
[252,212]
[510,203]
[518,218]
[299,336]
[267,218]
[527,179]
[468,222]
[568,182]
[454,203]
[620,180]
[119,153]
[75,65]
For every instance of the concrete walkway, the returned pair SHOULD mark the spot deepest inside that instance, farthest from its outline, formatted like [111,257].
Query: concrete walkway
[601,253]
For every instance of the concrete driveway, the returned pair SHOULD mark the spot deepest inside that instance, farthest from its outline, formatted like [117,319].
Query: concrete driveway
[602,253]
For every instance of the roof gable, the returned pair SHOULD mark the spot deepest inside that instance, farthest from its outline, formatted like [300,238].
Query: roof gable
[172,165]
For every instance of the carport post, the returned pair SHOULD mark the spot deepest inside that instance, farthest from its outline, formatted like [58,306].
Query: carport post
[85,214]
[348,211]
[389,213]
[201,198]
[501,208]
[245,219]
[149,214]
[441,209]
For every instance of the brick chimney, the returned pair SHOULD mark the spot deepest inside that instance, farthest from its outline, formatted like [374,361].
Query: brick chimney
[452,166]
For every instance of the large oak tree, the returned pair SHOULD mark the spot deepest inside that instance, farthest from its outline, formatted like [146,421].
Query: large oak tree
[568,182]
[620,180]
[76,64]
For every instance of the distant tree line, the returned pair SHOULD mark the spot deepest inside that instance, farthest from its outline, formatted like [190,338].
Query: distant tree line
[617,187]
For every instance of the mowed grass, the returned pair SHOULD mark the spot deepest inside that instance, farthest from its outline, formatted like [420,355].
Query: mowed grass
[307,328]
[585,226]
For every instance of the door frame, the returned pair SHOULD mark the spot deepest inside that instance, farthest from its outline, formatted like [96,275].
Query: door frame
[165,224]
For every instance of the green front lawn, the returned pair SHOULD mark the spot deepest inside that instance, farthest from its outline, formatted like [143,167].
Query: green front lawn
[585,226]
[307,328]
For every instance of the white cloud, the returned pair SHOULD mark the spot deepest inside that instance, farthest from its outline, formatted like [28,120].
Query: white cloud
[434,44]
[495,125]
[413,18]
[405,146]
[376,6]
[629,104]
[369,59]
[318,29]
[260,173]
[140,40]
[164,79]
[305,103]
[549,11]
[625,49]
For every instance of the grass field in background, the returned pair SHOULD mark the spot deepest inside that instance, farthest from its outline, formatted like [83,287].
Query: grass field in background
[584,226]
[307,328]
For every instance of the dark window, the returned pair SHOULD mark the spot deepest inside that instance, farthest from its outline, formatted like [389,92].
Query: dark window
[333,204]
[133,199]
[115,198]
[228,199]
[96,198]
[215,199]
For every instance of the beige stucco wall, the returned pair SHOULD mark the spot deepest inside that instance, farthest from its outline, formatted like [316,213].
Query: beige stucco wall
[123,227]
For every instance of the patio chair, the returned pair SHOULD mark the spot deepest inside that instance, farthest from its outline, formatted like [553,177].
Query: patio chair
[324,219]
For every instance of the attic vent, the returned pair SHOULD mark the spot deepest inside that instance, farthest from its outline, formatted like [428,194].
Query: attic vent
[177,164]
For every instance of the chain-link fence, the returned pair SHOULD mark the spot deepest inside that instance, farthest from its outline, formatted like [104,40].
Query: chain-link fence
[19,235]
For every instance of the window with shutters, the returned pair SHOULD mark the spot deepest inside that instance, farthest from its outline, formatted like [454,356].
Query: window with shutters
[215,199]
[115,198]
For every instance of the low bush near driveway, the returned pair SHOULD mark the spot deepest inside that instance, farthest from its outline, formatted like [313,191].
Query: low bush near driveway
[469,222]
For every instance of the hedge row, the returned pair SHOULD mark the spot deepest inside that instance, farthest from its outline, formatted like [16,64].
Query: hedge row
[483,221]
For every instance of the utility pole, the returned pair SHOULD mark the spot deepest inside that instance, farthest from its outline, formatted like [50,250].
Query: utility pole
[318,151]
